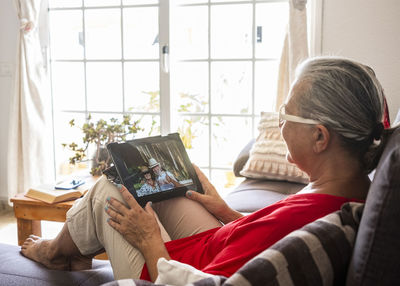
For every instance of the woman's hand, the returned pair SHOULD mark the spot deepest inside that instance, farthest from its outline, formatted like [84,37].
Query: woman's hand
[139,227]
[211,200]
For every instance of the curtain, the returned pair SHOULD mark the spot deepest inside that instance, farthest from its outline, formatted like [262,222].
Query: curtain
[295,48]
[30,151]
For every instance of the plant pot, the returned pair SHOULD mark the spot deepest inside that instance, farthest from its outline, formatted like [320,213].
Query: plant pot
[100,161]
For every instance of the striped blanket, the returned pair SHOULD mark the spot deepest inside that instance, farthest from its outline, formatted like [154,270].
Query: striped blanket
[317,254]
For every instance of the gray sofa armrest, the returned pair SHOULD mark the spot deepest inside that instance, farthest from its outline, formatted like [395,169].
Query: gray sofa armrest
[254,194]
[15,269]
[242,158]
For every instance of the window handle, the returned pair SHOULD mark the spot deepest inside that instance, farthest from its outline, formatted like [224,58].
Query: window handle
[165,59]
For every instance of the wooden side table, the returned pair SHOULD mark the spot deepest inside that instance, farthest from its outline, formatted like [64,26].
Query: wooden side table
[29,212]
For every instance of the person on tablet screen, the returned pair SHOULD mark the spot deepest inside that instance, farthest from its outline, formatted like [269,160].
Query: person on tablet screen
[150,185]
[165,179]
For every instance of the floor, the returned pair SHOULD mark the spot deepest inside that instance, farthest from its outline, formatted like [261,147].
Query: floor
[8,227]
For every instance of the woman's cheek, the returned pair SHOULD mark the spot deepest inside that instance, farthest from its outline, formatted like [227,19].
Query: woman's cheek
[287,142]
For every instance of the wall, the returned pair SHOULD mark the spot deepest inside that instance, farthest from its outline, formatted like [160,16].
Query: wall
[368,31]
[8,48]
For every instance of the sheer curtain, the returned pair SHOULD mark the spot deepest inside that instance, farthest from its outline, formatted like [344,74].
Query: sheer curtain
[30,149]
[295,48]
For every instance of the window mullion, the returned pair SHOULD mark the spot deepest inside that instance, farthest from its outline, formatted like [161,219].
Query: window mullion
[165,91]
[253,66]
[122,58]
[84,59]
[210,150]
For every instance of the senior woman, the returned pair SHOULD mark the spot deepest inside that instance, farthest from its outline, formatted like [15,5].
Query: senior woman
[332,125]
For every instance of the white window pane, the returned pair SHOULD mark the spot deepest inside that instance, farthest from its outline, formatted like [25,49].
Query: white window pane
[104,86]
[181,2]
[256,132]
[141,33]
[231,87]
[190,87]
[105,116]
[231,31]
[139,2]
[190,32]
[229,135]
[224,181]
[64,4]
[103,33]
[142,87]
[271,22]
[91,3]
[64,133]
[266,79]
[222,1]
[150,125]
[195,136]
[68,85]
[66,40]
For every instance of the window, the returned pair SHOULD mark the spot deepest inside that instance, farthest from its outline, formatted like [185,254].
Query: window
[203,68]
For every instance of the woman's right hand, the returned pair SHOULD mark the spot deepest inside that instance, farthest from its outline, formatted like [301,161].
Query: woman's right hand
[211,200]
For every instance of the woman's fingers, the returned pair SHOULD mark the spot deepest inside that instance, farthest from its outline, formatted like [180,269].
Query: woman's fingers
[149,208]
[202,178]
[199,173]
[128,197]
[195,196]
[117,205]
[115,216]
[114,225]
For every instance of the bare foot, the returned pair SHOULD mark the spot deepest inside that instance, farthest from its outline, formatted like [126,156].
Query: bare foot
[80,262]
[42,251]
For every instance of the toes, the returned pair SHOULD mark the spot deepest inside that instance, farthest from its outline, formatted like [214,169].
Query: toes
[23,251]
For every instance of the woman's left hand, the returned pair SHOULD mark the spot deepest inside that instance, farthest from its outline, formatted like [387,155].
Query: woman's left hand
[137,225]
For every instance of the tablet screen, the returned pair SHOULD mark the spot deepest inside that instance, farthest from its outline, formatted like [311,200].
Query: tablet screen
[154,168]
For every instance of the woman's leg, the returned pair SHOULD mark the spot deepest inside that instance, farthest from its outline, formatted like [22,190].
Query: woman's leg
[87,232]
[90,231]
[182,217]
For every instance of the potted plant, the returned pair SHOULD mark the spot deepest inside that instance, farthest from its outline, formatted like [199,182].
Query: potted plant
[99,134]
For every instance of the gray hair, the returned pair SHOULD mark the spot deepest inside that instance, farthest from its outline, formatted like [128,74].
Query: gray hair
[344,96]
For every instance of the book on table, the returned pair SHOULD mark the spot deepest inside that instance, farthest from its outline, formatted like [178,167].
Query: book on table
[49,194]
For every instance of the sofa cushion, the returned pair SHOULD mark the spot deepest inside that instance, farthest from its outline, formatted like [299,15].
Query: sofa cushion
[268,155]
[252,194]
[317,254]
[375,259]
[15,269]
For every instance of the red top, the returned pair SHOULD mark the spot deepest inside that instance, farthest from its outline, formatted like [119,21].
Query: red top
[223,250]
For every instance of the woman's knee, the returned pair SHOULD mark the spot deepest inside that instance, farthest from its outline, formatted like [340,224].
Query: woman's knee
[103,189]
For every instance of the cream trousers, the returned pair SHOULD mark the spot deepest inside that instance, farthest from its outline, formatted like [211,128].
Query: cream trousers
[87,224]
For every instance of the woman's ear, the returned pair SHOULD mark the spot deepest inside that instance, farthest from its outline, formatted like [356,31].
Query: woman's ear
[321,138]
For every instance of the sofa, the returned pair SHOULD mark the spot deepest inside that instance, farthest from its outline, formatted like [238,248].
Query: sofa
[373,258]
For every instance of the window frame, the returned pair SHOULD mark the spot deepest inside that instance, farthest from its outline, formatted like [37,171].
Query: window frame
[165,111]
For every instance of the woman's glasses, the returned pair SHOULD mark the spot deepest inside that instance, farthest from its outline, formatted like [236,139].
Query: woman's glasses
[293,118]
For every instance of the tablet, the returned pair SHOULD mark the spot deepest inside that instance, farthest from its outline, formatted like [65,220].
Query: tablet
[153,168]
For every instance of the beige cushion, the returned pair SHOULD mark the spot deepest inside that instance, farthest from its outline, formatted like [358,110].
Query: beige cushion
[268,155]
